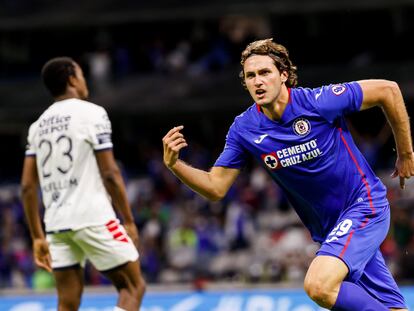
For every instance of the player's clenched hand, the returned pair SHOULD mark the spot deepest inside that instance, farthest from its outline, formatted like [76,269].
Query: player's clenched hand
[41,254]
[173,142]
[404,168]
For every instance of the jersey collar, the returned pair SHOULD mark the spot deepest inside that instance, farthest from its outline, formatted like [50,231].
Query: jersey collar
[289,102]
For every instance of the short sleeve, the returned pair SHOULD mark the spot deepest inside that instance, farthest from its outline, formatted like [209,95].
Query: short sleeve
[99,130]
[336,100]
[233,155]
[30,145]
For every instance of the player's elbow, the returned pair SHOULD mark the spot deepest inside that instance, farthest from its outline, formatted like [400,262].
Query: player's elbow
[390,91]
[393,88]
[216,195]
[214,198]
[27,189]
[110,176]
[210,194]
[216,188]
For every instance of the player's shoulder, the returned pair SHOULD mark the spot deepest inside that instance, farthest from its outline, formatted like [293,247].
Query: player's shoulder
[84,105]
[33,127]
[305,94]
[302,99]
[35,124]
[308,97]
[81,110]
[248,117]
[334,89]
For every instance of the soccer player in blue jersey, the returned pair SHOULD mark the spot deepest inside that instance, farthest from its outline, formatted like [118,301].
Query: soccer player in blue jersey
[300,137]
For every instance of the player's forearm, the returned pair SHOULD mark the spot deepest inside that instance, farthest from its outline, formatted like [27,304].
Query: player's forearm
[198,180]
[116,188]
[396,113]
[31,211]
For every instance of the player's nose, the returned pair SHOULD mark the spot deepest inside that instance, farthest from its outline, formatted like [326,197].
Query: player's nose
[257,81]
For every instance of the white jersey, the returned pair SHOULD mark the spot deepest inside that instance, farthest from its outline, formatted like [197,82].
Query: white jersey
[64,140]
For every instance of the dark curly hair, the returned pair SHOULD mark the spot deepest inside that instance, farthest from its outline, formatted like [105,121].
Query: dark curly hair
[56,73]
[277,52]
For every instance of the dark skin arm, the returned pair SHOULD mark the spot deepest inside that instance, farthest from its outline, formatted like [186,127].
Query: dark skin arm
[29,188]
[114,184]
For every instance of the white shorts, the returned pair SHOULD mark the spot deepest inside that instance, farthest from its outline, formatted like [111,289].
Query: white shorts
[106,247]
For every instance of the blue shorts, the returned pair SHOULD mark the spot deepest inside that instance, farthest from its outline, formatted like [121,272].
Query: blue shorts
[356,240]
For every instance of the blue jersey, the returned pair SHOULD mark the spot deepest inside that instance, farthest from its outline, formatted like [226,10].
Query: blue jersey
[310,154]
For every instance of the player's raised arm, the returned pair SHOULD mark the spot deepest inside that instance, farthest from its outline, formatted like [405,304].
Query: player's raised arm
[212,185]
[387,95]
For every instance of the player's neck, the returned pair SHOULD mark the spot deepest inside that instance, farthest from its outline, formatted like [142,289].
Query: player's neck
[67,95]
[275,110]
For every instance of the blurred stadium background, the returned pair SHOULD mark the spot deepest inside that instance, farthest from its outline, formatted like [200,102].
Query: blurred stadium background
[157,64]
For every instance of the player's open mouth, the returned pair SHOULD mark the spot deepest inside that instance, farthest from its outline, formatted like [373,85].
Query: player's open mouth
[260,93]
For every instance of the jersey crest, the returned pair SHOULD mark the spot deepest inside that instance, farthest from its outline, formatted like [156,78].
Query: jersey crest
[338,89]
[301,127]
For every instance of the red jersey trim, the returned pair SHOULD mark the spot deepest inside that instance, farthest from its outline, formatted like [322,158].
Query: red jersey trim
[367,187]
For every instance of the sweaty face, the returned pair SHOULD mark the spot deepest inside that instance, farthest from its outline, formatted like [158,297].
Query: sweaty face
[81,86]
[263,80]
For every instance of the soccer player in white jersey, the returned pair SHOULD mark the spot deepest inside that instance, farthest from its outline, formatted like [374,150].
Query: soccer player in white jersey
[69,155]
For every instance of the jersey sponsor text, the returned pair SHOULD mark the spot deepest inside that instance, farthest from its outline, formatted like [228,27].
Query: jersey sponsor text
[292,155]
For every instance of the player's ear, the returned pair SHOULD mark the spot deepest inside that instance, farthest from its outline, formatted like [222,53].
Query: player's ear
[284,76]
[72,80]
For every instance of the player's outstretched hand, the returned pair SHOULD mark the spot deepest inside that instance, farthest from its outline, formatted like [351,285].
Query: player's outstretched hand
[173,142]
[41,254]
[404,168]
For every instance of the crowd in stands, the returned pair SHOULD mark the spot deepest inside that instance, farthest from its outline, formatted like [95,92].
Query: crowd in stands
[253,235]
